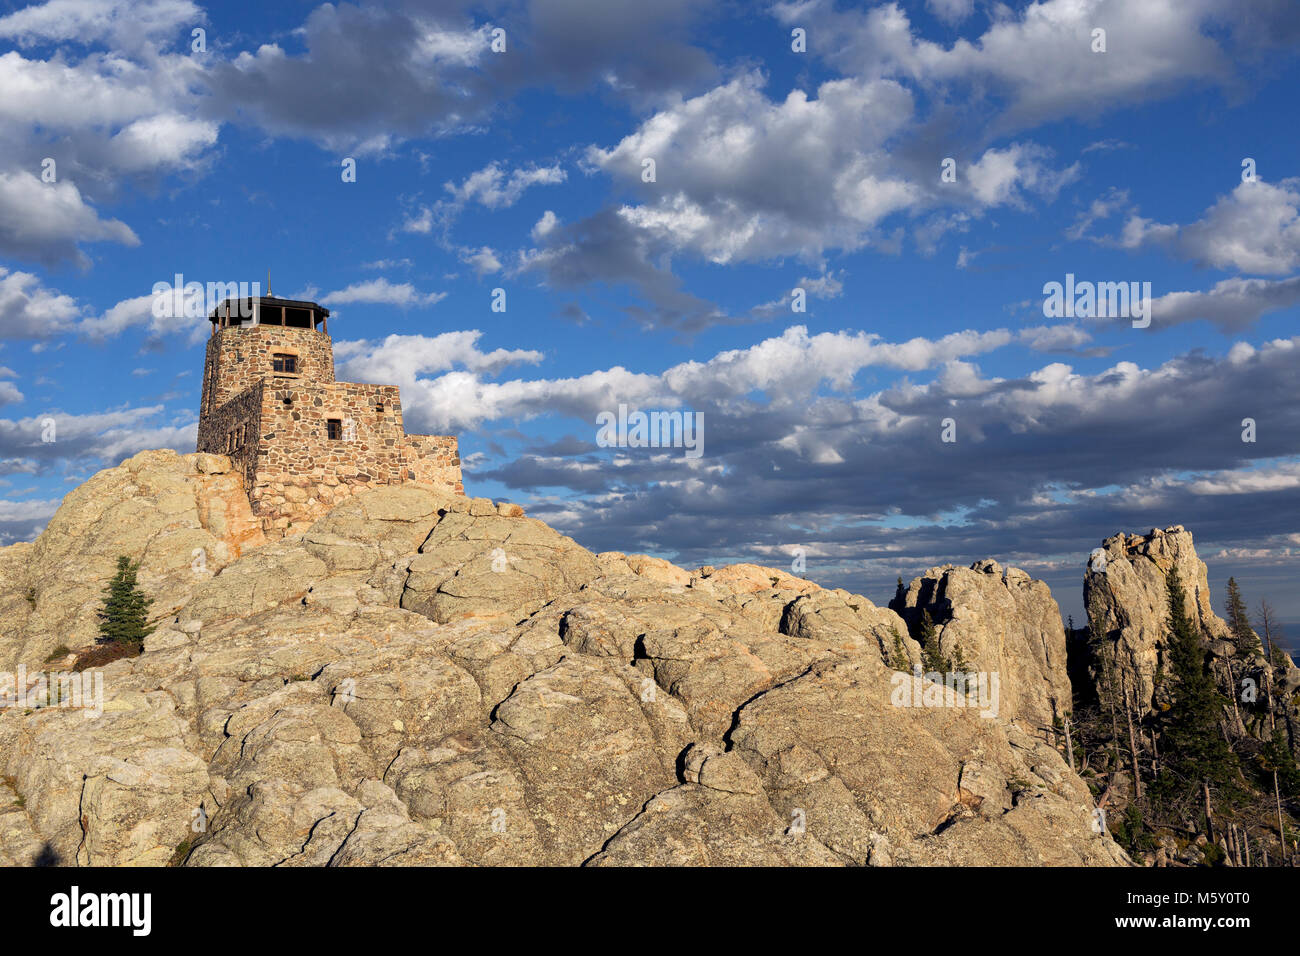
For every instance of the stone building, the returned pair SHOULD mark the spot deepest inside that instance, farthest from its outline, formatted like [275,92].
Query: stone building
[302,440]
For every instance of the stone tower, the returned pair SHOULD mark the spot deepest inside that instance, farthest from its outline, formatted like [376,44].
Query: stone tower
[303,440]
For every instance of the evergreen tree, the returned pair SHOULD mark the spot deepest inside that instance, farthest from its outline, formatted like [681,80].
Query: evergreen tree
[898,658]
[124,614]
[1277,756]
[1239,621]
[1194,752]
[1131,831]
[931,657]
[1104,652]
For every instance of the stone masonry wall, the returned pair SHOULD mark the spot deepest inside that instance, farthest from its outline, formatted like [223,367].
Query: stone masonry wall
[275,428]
[302,473]
[234,430]
[238,358]
[435,460]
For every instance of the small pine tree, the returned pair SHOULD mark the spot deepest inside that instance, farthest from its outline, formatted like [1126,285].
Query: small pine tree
[1277,756]
[1131,831]
[898,658]
[1194,750]
[124,615]
[1239,621]
[931,657]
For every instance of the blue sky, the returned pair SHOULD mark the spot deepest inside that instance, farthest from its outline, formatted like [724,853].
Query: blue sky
[775,169]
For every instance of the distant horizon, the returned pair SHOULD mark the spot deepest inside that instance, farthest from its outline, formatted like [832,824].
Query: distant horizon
[1065,587]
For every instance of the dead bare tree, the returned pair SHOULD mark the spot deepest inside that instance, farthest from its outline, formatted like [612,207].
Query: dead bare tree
[1267,622]
[1132,743]
[1281,831]
[1209,813]
[1069,743]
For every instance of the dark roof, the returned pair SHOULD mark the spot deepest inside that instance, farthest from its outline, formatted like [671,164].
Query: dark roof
[269,300]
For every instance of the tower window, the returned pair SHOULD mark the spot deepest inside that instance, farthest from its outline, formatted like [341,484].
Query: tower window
[282,362]
[334,429]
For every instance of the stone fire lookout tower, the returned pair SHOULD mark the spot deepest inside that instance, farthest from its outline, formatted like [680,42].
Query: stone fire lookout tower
[302,440]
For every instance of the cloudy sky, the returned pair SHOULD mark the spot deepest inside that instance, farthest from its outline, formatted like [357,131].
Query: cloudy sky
[920,171]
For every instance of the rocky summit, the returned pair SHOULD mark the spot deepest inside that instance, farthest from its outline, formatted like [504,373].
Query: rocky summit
[423,678]
[1000,621]
[1125,591]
